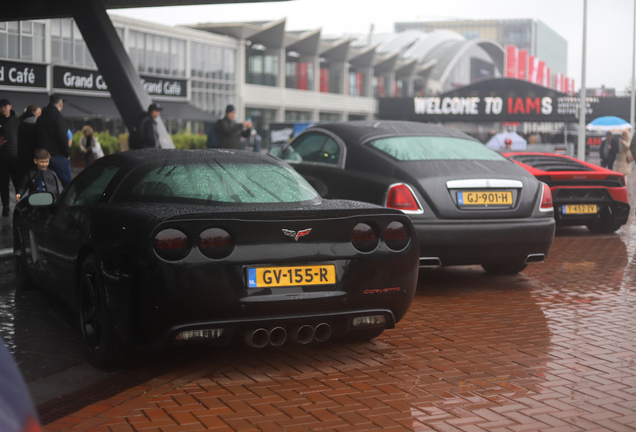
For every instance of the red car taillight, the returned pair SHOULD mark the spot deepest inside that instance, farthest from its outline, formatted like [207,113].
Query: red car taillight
[364,238]
[546,198]
[172,244]
[215,243]
[396,236]
[401,197]
[617,178]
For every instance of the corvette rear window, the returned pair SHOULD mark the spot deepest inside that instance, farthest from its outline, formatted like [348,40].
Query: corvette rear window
[421,148]
[215,182]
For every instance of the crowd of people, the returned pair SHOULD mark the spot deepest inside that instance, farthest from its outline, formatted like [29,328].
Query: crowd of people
[616,152]
[35,150]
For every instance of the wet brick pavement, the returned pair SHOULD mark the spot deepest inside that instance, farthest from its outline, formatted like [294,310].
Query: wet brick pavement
[550,349]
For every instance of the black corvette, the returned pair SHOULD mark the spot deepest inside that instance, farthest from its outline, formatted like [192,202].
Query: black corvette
[157,247]
[469,204]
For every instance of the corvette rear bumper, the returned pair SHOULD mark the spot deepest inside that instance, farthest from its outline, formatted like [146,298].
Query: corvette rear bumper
[505,241]
[341,324]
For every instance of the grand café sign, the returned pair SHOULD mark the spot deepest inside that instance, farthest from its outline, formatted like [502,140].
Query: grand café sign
[66,78]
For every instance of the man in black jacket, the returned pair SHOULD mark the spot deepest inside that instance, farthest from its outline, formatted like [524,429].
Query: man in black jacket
[27,139]
[229,132]
[52,134]
[8,153]
[148,126]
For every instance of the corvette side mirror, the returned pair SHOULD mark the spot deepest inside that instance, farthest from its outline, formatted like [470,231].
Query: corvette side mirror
[40,199]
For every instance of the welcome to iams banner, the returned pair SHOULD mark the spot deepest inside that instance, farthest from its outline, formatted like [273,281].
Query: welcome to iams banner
[500,100]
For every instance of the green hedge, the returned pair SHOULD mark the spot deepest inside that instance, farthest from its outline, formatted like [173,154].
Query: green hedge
[182,140]
[188,141]
[111,144]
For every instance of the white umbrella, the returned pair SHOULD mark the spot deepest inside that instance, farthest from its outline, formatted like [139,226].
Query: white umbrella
[608,123]
[498,141]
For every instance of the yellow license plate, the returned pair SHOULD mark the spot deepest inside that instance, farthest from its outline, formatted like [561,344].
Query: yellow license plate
[484,198]
[266,277]
[580,209]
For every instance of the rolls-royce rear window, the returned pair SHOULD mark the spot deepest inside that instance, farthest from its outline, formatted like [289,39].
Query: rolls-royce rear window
[422,148]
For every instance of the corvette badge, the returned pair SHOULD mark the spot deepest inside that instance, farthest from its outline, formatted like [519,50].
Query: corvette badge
[296,235]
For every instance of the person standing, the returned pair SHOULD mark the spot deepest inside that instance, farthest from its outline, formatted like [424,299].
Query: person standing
[8,153]
[230,132]
[51,131]
[624,157]
[608,150]
[88,144]
[27,139]
[148,126]
[257,141]
[40,178]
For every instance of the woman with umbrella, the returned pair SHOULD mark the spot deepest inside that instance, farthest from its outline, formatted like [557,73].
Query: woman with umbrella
[624,158]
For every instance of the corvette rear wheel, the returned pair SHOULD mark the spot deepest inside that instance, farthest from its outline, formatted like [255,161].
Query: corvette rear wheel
[25,282]
[504,269]
[103,347]
[359,335]
[604,228]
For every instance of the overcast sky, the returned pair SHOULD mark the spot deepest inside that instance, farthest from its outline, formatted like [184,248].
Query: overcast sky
[609,25]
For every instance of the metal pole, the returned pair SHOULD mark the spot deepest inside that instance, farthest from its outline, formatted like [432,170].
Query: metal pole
[583,104]
[632,98]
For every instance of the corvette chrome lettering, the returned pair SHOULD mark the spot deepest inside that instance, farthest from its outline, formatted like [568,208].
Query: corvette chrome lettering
[296,235]
[382,290]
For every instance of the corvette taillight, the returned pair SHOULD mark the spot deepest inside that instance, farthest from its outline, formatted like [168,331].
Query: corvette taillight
[396,236]
[401,197]
[364,237]
[546,198]
[215,243]
[172,244]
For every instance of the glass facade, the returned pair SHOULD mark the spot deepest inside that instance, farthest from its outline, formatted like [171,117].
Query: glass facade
[299,75]
[22,40]
[356,83]
[331,76]
[261,118]
[213,82]
[297,116]
[68,46]
[261,67]
[155,54]
[327,116]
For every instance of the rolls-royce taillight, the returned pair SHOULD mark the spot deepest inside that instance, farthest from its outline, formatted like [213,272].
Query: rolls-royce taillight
[215,243]
[172,244]
[401,197]
[546,198]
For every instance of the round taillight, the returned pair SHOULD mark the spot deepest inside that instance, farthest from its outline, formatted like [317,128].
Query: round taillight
[396,236]
[172,244]
[215,243]
[364,238]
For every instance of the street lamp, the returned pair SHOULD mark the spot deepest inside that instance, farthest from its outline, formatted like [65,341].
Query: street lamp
[582,103]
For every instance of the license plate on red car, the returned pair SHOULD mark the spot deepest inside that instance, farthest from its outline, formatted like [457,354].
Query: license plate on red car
[580,209]
[268,277]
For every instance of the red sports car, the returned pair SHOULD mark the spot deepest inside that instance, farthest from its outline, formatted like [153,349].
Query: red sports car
[582,193]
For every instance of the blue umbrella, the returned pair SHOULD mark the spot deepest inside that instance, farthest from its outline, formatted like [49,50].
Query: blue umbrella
[608,123]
